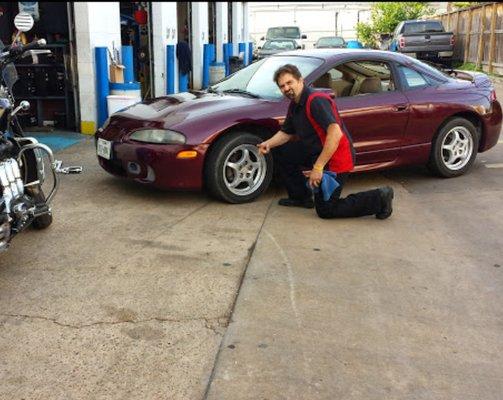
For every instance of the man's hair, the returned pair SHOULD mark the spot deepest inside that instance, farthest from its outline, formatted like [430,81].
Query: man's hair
[287,69]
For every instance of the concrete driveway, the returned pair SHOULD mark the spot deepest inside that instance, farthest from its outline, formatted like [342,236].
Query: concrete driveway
[134,293]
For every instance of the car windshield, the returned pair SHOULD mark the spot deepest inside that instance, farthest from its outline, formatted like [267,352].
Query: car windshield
[423,27]
[279,45]
[331,41]
[291,32]
[257,78]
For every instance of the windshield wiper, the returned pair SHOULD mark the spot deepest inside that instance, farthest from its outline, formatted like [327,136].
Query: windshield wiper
[242,91]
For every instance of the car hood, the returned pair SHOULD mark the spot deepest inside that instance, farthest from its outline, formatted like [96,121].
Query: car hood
[198,115]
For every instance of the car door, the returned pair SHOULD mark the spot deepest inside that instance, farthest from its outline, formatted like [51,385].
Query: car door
[375,116]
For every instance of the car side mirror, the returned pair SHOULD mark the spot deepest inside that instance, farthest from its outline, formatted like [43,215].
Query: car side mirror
[259,48]
[262,38]
[299,47]
[303,37]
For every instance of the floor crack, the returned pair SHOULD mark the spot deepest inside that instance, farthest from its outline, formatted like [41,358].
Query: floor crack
[213,324]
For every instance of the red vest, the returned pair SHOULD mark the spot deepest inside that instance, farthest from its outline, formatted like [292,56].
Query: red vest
[343,158]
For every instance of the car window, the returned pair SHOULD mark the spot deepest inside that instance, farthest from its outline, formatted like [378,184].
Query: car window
[430,70]
[283,32]
[398,29]
[423,27]
[413,79]
[358,78]
[257,78]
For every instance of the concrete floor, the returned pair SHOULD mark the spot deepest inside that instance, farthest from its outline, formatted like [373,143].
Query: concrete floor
[135,293]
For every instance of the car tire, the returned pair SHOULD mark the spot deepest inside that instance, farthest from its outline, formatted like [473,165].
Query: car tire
[45,220]
[454,148]
[235,170]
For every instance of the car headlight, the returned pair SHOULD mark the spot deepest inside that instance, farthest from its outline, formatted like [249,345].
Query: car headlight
[160,136]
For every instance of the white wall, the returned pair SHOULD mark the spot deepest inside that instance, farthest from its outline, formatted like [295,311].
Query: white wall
[314,19]
[164,32]
[199,38]
[222,29]
[96,25]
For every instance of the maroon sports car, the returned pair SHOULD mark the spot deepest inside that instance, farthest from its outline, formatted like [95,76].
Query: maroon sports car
[398,110]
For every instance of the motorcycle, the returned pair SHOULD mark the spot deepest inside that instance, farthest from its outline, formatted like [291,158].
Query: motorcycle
[23,202]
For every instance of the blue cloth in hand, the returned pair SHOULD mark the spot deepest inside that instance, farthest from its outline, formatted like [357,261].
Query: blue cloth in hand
[328,185]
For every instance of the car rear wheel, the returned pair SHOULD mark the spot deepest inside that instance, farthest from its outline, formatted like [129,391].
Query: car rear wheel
[454,148]
[236,172]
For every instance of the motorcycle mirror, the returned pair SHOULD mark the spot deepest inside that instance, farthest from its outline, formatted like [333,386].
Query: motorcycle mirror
[25,105]
[23,22]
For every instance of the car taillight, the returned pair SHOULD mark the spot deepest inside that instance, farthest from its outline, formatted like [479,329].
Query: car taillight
[402,42]
[492,96]
[452,40]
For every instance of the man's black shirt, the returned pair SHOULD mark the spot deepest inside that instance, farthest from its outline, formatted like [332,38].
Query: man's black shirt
[297,123]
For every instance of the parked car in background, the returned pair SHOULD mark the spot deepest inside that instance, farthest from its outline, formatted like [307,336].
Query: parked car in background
[399,111]
[275,46]
[286,32]
[424,40]
[330,42]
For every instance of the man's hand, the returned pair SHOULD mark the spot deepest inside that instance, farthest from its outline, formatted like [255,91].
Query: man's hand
[314,177]
[264,147]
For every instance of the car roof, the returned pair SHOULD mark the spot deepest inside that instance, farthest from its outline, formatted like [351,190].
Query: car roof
[420,20]
[333,55]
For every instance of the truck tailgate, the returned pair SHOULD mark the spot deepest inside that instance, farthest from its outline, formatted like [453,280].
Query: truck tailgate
[438,41]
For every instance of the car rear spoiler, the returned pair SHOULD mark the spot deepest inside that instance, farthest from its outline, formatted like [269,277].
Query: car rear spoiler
[478,78]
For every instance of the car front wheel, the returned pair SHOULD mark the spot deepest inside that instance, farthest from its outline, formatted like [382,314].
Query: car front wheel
[236,172]
[454,148]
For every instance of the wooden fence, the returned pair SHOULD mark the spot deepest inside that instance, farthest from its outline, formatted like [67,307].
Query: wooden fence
[478,34]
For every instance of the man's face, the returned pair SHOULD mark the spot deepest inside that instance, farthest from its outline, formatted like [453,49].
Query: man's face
[290,86]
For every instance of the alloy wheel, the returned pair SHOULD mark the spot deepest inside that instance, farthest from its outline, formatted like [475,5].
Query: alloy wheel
[244,169]
[457,148]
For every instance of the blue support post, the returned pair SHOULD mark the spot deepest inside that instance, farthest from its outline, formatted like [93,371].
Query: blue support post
[242,49]
[208,57]
[183,82]
[127,61]
[170,69]
[102,89]
[250,52]
[228,50]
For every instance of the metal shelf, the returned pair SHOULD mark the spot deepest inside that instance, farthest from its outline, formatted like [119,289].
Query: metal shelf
[61,49]
[40,65]
[41,97]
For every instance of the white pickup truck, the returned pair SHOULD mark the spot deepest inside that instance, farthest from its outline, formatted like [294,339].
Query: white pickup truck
[285,32]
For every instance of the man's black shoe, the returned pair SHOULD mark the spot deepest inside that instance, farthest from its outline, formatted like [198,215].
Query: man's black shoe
[387,195]
[306,203]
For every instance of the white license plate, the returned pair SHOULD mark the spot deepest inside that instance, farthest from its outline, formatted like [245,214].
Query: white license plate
[104,148]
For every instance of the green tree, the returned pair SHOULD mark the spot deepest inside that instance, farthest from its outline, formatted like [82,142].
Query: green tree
[385,16]
[466,4]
